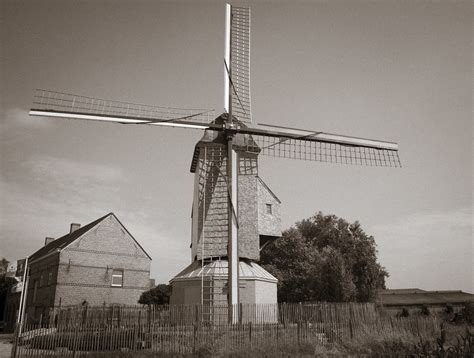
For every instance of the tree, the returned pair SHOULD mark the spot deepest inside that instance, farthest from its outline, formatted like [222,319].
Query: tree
[158,295]
[6,283]
[325,258]
[3,266]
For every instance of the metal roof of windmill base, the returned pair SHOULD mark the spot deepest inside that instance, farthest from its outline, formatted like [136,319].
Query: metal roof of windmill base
[248,270]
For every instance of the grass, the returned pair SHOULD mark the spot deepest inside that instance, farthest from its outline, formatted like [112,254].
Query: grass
[456,341]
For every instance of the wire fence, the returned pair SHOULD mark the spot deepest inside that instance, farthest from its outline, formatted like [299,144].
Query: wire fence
[182,330]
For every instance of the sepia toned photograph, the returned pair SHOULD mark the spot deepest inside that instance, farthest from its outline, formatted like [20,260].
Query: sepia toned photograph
[266,178]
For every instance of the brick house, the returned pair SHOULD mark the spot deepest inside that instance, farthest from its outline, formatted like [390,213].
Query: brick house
[99,263]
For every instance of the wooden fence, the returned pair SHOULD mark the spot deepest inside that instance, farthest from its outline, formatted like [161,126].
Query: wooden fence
[188,329]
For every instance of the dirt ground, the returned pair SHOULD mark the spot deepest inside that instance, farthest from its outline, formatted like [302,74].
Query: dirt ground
[5,345]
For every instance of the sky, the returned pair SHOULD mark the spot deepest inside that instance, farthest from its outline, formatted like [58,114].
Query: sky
[391,70]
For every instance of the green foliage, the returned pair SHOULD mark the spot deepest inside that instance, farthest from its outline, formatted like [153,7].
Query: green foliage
[158,295]
[3,266]
[404,313]
[6,283]
[325,258]
[466,315]
[449,309]
[425,311]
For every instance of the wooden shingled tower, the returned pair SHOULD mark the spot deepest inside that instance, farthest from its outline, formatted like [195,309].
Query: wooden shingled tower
[234,212]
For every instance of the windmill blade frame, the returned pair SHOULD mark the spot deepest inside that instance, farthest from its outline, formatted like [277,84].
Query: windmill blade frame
[72,106]
[237,99]
[319,146]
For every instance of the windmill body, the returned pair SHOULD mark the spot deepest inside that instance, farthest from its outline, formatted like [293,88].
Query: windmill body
[259,222]
[234,214]
[257,207]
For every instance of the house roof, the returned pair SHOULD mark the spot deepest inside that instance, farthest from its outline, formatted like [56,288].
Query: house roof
[269,190]
[400,291]
[63,241]
[419,297]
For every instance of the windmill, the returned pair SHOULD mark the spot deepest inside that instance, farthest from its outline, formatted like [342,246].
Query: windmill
[230,145]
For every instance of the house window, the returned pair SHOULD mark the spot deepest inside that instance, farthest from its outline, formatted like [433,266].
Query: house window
[269,208]
[41,281]
[50,278]
[117,278]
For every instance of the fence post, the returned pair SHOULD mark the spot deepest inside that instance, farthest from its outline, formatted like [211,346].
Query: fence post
[149,337]
[119,316]
[194,337]
[84,315]
[250,333]
[15,341]
[299,331]
[240,313]
[277,333]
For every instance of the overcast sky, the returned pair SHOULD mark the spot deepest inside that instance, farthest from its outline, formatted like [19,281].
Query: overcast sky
[390,70]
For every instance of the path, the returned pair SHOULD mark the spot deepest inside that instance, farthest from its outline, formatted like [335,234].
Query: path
[5,345]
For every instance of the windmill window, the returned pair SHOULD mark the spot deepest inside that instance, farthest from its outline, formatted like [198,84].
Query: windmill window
[269,209]
[41,281]
[117,278]
[50,278]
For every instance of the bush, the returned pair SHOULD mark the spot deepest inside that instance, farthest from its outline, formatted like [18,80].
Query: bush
[425,311]
[466,315]
[449,308]
[404,313]
[468,312]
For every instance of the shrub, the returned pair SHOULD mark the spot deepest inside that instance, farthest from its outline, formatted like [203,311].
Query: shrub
[466,315]
[425,311]
[449,308]
[468,312]
[404,313]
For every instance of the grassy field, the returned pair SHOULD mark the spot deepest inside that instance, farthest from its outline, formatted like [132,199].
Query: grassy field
[325,330]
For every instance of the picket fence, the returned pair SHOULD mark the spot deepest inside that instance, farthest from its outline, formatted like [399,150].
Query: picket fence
[77,331]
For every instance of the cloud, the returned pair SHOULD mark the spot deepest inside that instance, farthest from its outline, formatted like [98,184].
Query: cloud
[70,175]
[431,250]
[18,117]
[50,193]
[53,192]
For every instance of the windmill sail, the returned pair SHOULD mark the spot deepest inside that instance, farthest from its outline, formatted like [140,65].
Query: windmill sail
[66,105]
[321,147]
[240,63]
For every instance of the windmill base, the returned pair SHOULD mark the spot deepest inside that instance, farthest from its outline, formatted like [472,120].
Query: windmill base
[206,284]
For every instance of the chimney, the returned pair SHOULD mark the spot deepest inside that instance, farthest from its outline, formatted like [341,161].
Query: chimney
[47,240]
[74,227]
